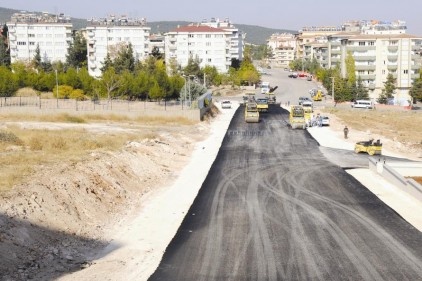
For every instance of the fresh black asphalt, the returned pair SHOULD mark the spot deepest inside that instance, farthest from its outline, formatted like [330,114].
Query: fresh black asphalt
[273,207]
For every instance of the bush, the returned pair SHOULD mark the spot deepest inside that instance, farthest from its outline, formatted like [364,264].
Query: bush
[77,94]
[7,137]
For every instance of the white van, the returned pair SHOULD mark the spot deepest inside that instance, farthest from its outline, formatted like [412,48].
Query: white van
[363,104]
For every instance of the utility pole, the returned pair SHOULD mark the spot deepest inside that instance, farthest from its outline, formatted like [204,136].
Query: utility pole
[332,89]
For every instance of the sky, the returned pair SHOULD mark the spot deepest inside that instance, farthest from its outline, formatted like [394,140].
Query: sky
[279,14]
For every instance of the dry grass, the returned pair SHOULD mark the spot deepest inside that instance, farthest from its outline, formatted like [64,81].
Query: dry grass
[22,151]
[402,126]
[86,118]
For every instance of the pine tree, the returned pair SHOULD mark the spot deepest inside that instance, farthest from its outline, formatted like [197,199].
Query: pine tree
[388,91]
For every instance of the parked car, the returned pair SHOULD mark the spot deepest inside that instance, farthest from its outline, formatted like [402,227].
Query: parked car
[363,104]
[303,99]
[325,121]
[226,104]
[293,75]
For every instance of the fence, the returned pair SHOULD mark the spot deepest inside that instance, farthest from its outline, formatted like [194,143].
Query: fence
[125,107]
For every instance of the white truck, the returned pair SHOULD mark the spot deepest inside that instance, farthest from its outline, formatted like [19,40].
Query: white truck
[265,87]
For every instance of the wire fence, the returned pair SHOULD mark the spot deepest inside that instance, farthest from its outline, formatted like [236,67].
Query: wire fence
[127,107]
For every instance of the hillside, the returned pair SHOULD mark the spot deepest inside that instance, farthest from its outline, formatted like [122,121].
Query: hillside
[254,34]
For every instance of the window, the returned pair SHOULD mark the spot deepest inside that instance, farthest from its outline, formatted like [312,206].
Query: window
[31,43]
[208,60]
[393,43]
[208,36]
[383,71]
[31,35]
[21,43]
[190,35]
[208,44]
[372,43]
[361,43]
[405,71]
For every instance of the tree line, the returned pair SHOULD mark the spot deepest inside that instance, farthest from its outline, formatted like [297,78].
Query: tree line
[122,77]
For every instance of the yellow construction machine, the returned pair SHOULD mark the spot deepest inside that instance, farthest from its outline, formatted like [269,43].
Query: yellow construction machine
[369,147]
[297,117]
[317,96]
[251,112]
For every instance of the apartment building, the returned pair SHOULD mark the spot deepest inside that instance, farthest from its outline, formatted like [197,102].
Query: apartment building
[212,46]
[283,48]
[237,37]
[52,33]
[376,56]
[109,35]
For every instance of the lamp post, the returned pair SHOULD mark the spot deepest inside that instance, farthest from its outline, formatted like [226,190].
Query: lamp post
[332,88]
[57,89]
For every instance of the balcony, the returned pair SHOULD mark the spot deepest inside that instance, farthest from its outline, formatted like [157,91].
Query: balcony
[393,49]
[172,47]
[92,58]
[367,76]
[365,67]
[91,34]
[359,48]
[392,66]
[172,39]
[364,58]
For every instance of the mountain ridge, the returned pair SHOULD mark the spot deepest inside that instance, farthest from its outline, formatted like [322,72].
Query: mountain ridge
[257,35]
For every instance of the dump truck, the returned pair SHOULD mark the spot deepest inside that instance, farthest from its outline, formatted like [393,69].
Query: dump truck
[251,112]
[369,147]
[271,96]
[297,117]
[262,104]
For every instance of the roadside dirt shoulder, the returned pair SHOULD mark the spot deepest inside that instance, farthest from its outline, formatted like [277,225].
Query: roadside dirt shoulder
[52,223]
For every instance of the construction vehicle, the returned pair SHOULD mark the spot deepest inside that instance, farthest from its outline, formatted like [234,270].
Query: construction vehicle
[262,104]
[249,96]
[317,96]
[251,112]
[297,117]
[369,147]
[308,109]
[271,96]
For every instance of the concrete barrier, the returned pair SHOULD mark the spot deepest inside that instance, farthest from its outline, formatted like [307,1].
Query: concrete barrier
[389,173]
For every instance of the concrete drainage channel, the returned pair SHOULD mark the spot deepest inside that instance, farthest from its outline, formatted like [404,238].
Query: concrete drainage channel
[399,175]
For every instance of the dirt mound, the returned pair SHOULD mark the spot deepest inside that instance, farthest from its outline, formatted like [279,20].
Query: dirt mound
[51,223]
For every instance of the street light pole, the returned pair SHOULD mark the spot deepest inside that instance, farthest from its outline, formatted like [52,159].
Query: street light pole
[332,88]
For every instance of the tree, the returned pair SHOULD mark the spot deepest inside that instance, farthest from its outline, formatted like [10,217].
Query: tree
[388,91]
[416,90]
[125,59]
[4,52]
[350,69]
[193,68]
[8,83]
[37,57]
[107,63]
[156,53]
[77,51]
[71,78]
[359,91]
[110,82]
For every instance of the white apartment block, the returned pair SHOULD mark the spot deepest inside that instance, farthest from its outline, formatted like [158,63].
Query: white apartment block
[210,45]
[237,37]
[108,36]
[376,56]
[283,48]
[52,33]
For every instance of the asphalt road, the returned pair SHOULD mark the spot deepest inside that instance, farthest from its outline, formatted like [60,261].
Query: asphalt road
[274,208]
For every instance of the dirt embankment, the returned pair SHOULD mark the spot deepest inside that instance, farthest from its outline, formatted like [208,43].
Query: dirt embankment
[51,223]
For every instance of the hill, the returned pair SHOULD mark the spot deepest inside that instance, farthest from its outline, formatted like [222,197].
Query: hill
[254,34]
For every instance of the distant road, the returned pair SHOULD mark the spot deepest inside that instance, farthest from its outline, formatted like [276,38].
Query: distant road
[274,208]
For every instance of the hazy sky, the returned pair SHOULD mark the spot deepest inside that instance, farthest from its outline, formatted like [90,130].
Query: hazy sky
[292,14]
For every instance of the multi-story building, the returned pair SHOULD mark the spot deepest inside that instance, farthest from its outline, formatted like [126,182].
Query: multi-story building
[109,35]
[237,37]
[283,48]
[376,56]
[209,44]
[27,31]
[378,48]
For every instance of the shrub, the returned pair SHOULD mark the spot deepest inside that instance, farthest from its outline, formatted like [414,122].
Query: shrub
[77,94]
